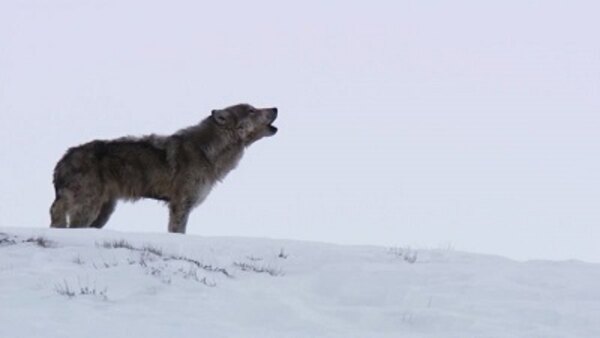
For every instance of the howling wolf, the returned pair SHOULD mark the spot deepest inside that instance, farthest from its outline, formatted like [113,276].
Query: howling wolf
[179,169]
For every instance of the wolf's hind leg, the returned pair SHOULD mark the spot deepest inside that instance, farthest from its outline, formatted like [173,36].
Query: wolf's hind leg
[83,215]
[105,211]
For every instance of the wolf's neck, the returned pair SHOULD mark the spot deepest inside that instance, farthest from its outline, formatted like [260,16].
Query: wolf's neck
[222,156]
[223,149]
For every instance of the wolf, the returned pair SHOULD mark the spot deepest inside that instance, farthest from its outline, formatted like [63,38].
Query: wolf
[179,169]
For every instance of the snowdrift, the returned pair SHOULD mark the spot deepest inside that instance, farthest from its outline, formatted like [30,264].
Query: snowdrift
[90,283]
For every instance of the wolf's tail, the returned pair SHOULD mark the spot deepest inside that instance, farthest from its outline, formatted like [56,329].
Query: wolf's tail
[64,173]
[58,213]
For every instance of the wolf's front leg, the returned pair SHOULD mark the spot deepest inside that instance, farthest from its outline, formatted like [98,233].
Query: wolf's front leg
[178,216]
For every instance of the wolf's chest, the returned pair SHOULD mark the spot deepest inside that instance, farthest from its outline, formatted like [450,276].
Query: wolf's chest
[202,192]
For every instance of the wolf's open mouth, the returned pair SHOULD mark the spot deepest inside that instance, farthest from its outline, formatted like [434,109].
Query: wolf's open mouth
[272,117]
[272,129]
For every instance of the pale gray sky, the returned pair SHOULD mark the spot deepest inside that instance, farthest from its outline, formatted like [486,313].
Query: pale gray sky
[464,123]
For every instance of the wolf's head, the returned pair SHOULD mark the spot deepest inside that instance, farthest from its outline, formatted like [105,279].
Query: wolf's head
[249,123]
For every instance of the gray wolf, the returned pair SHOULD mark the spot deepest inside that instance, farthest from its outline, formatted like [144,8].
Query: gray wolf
[179,169]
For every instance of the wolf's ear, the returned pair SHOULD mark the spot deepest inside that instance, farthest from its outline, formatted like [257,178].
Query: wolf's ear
[221,116]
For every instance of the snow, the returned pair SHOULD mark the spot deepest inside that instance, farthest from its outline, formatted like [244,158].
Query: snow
[165,285]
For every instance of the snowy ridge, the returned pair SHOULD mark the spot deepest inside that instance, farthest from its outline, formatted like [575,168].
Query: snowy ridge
[89,283]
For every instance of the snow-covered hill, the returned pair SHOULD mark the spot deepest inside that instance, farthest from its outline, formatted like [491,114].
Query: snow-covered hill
[90,283]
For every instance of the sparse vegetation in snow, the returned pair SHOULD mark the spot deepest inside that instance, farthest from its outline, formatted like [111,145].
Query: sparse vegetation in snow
[40,241]
[258,268]
[66,289]
[282,254]
[407,254]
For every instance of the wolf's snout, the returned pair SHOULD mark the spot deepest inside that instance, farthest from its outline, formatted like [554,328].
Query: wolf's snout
[273,114]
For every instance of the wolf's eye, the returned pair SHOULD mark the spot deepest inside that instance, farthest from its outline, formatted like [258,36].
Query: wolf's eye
[252,111]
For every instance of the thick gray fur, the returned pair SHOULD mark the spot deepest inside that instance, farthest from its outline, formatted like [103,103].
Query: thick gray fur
[180,169]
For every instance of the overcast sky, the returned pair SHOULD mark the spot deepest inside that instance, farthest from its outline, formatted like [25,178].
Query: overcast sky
[465,124]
